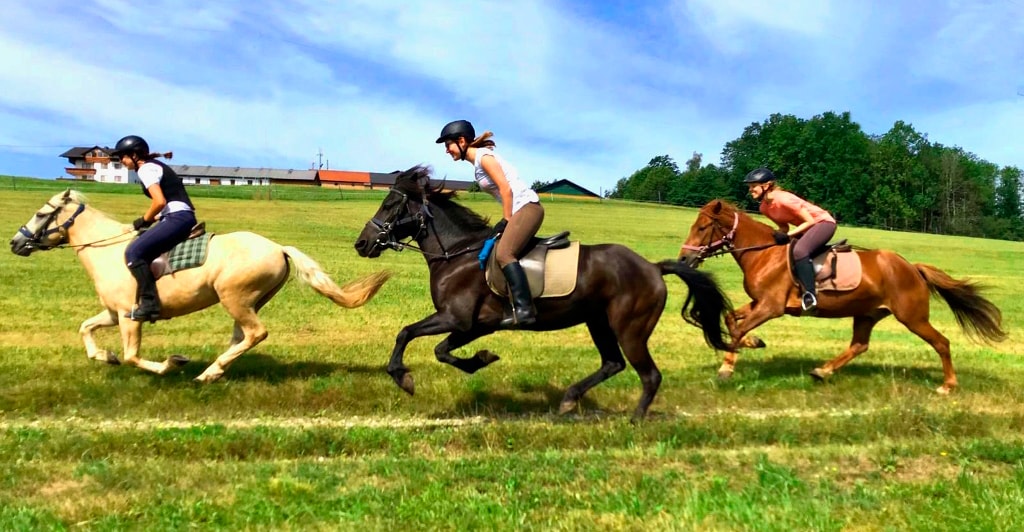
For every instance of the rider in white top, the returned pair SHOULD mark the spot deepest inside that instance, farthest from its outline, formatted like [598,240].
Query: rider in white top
[521,211]
[521,193]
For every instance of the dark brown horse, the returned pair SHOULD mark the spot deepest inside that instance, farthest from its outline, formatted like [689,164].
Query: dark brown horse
[889,285]
[619,294]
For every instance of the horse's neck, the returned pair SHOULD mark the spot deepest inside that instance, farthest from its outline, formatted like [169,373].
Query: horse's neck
[93,227]
[751,233]
[444,235]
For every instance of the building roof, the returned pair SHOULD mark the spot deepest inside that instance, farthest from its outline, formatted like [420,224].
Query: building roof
[560,186]
[237,172]
[79,152]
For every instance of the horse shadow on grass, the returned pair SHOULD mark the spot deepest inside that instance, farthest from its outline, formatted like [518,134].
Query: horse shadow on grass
[526,400]
[266,368]
[786,369]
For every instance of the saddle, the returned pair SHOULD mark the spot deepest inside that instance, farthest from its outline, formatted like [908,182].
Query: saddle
[189,254]
[836,267]
[551,265]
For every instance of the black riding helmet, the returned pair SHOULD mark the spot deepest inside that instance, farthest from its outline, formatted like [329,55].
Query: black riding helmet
[759,175]
[131,145]
[456,129]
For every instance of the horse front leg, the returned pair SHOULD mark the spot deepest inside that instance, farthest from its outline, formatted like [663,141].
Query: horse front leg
[131,337]
[436,323]
[455,340]
[106,318]
[753,315]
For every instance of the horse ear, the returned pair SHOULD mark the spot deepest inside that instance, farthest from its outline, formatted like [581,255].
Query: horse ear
[717,208]
[67,194]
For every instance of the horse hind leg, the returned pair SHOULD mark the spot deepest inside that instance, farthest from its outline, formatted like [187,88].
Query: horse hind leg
[612,362]
[862,327]
[923,329]
[252,332]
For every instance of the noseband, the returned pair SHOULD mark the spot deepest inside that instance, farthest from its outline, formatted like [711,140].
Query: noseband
[724,243]
[35,240]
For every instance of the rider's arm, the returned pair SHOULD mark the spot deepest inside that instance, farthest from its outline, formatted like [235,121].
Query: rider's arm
[157,204]
[808,221]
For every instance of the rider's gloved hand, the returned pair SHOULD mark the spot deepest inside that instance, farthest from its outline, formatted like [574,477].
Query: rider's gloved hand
[499,228]
[780,237]
[141,223]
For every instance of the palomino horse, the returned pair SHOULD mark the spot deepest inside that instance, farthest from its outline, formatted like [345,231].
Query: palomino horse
[242,270]
[618,294]
[889,285]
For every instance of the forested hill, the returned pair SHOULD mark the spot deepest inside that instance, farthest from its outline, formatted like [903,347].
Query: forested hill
[898,180]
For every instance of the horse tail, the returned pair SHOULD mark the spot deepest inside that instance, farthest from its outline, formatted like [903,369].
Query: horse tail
[352,295]
[978,317]
[710,304]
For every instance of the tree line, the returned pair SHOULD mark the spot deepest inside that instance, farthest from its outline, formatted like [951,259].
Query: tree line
[898,180]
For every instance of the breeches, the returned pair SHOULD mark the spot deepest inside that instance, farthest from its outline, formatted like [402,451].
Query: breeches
[817,236]
[523,225]
[170,231]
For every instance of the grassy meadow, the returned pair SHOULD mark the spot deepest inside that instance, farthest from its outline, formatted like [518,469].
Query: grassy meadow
[307,431]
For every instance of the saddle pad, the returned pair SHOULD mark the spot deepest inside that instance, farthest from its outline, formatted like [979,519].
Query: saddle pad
[837,271]
[560,270]
[550,272]
[190,253]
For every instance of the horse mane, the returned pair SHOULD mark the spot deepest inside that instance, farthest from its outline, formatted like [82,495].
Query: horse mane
[438,198]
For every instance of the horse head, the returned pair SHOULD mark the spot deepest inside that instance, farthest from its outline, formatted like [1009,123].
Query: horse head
[403,214]
[46,230]
[714,229]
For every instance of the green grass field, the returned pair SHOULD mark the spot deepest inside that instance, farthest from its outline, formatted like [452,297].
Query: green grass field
[309,432]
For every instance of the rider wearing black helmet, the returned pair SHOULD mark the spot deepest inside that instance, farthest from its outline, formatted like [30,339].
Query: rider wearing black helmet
[169,201]
[813,225]
[522,213]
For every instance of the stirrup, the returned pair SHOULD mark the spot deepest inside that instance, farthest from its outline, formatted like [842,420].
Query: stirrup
[811,305]
[135,315]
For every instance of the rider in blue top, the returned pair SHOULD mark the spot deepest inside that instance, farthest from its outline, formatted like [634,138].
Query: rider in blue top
[170,203]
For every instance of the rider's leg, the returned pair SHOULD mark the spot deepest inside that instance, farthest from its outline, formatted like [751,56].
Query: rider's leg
[812,240]
[521,227]
[171,230]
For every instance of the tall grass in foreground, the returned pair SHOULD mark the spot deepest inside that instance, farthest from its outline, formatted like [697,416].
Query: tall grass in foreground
[309,432]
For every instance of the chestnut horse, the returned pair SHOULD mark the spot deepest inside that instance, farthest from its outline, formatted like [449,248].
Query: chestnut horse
[889,285]
[618,294]
[242,271]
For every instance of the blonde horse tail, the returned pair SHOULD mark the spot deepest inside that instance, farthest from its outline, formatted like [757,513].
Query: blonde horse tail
[978,317]
[352,295]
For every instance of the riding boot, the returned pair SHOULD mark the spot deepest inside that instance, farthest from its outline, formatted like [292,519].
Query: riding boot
[147,306]
[523,312]
[805,273]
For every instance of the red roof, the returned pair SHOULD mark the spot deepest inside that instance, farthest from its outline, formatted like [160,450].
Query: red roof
[343,176]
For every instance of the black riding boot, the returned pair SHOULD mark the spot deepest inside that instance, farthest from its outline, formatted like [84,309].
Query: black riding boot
[523,313]
[805,273]
[147,306]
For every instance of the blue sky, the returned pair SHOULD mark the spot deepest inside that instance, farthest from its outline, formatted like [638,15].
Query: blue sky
[588,91]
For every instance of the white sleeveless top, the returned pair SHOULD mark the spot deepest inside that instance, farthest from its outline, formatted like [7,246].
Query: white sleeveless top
[521,192]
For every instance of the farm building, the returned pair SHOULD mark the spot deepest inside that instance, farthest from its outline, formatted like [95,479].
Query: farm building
[236,175]
[94,164]
[565,187]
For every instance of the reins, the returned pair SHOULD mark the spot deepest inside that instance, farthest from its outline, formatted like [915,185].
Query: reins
[724,245]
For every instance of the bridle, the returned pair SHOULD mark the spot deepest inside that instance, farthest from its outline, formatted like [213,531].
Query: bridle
[35,240]
[723,245]
[422,217]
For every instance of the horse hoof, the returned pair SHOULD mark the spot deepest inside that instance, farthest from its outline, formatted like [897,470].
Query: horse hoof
[406,383]
[943,390]
[820,375]
[178,361]
[757,343]
[724,375]
[566,407]
[111,359]
[486,357]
